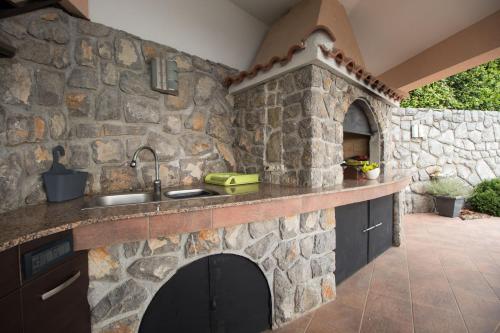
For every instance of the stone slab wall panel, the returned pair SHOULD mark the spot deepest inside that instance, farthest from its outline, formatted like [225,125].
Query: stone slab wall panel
[86,87]
[456,143]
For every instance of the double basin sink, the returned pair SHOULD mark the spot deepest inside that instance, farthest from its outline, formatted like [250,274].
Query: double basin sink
[147,197]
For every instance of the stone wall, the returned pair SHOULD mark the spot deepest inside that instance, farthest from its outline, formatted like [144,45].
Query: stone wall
[295,253]
[291,128]
[456,143]
[87,87]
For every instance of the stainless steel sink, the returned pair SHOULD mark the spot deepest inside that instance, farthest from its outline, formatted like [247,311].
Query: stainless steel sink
[191,193]
[120,199]
[142,198]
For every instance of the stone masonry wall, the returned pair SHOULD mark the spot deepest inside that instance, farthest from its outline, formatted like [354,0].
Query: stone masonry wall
[291,128]
[456,143]
[87,87]
[295,253]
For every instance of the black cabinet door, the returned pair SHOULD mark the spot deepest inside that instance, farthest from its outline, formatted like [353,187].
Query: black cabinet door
[222,293]
[183,303]
[380,237]
[9,279]
[56,301]
[237,309]
[352,242]
[10,313]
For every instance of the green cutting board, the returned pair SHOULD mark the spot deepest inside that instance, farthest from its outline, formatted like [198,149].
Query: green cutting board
[231,178]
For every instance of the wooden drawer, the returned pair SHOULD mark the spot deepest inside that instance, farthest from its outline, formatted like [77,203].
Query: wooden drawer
[10,313]
[66,310]
[9,278]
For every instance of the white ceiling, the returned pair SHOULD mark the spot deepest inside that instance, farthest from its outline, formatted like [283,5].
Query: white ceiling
[267,11]
[391,31]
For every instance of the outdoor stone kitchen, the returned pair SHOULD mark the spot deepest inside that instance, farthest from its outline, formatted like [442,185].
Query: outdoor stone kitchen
[87,87]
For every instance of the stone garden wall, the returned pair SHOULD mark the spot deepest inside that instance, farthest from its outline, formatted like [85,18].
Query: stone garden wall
[456,143]
[291,128]
[87,87]
[295,253]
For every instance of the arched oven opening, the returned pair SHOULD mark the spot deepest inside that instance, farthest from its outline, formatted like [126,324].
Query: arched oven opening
[361,139]
[219,294]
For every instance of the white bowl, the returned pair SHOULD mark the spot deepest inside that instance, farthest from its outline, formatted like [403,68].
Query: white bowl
[373,174]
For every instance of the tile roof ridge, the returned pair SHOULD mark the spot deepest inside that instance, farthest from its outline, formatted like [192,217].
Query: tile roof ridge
[361,72]
[338,55]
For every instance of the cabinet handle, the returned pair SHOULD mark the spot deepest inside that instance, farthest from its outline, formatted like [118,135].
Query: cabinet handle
[373,227]
[61,287]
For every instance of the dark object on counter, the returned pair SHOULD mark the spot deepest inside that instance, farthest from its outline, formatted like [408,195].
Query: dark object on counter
[449,206]
[62,184]
[353,172]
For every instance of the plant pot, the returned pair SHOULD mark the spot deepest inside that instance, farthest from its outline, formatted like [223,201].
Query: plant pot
[373,174]
[449,207]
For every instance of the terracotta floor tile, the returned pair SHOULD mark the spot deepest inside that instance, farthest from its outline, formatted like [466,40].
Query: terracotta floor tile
[485,264]
[428,319]
[481,325]
[296,326]
[389,307]
[377,324]
[472,283]
[494,282]
[433,294]
[392,258]
[473,306]
[354,290]
[335,317]
[355,298]
[393,283]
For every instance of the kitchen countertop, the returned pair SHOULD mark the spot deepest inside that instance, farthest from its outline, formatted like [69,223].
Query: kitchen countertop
[32,222]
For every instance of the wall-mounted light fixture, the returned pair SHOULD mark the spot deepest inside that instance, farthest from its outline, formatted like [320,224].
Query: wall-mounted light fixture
[164,76]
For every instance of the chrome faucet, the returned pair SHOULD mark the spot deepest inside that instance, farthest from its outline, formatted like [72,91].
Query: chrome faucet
[157,182]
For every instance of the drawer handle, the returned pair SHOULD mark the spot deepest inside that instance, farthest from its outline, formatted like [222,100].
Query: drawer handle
[61,287]
[373,227]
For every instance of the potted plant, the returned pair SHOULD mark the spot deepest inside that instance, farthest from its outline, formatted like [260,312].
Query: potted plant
[449,195]
[371,170]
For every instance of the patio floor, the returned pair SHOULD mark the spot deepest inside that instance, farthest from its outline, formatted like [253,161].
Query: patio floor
[444,278]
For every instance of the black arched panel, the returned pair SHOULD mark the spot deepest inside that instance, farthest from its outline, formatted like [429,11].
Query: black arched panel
[221,293]
[356,121]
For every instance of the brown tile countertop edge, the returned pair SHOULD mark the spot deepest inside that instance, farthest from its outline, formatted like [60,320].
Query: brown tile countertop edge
[105,226]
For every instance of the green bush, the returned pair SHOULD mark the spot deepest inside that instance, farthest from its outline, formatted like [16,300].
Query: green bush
[448,187]
[475,89]
[486,197]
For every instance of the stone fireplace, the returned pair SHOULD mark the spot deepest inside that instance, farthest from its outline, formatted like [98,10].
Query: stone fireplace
[292,128]
[290,262]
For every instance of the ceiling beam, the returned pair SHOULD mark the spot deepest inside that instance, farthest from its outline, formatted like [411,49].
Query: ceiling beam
[79,8]
[473,46]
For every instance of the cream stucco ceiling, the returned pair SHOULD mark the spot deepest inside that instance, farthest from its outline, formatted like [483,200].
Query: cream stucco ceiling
[266,11]
[391,31]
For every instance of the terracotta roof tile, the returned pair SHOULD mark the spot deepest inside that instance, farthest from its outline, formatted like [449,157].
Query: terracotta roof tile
[336,54]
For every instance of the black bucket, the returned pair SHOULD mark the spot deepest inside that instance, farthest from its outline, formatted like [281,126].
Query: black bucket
[62,184]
